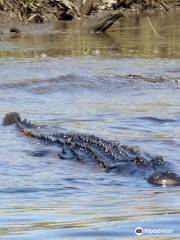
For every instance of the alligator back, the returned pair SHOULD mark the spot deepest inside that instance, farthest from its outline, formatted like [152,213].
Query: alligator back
[108,154]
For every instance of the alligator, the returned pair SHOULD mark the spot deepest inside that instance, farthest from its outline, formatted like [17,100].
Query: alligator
[107,154]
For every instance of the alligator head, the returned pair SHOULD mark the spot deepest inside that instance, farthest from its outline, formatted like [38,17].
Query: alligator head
[164,179]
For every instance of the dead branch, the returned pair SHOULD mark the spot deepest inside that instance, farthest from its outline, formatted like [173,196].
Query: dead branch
[107,21]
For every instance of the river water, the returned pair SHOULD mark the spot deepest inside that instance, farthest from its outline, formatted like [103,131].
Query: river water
[124,86]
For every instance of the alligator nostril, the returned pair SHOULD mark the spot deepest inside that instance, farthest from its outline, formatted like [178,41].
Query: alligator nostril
[164,179]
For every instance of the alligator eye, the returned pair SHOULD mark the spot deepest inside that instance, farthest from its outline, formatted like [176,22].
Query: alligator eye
[158,160]
[164,179]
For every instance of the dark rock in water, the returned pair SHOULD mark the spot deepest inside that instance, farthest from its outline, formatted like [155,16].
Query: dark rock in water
[15,30]
[108,155]
[39,18]
[65,14]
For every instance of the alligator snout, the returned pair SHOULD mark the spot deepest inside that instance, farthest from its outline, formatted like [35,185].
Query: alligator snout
[164,179]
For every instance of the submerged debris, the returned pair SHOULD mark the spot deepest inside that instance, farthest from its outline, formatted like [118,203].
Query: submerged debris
[15,30]
[107,21]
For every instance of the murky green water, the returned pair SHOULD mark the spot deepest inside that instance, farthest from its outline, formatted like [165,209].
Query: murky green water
[123,85]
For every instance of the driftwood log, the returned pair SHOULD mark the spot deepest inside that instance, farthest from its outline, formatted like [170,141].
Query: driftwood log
[107,21]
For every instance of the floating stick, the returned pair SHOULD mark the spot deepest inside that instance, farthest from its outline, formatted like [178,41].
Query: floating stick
[154,30]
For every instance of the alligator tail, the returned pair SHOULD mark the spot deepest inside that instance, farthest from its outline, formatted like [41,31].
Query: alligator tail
[11,118]
[23,125]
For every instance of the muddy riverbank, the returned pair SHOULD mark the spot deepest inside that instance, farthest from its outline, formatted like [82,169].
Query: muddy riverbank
[56,10]
[129,37]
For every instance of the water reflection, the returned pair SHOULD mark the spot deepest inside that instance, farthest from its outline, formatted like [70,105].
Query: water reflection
[132,36]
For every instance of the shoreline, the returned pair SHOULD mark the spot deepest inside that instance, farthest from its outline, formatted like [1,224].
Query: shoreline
[84,24]
[35,11]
